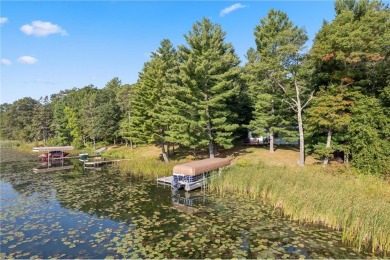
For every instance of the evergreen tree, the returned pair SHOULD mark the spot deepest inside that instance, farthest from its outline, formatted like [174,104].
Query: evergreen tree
[281,76]
[369,136]
[124,97]
[330,113]
[59,124]
[150,110]
[208,73]
[108,112]
[42,119]
[271,115]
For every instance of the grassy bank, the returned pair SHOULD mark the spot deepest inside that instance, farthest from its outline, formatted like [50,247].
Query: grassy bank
[358,205]
[145,160]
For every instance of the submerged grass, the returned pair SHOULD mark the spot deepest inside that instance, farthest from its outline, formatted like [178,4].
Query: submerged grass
[358,205]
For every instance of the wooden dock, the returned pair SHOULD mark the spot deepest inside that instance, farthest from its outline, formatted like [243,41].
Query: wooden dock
[52,169]
[165,180]
[98,163]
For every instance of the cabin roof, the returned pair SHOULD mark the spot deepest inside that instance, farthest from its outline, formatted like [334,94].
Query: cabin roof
[53,148]
[201,166]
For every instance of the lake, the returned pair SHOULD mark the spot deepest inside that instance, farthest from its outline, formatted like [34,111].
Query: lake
[80,213]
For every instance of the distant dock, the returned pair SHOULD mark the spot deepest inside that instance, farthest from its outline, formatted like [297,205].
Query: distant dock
[102,162]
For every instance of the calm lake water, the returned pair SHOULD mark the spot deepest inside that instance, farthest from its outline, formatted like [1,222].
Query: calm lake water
[81,213]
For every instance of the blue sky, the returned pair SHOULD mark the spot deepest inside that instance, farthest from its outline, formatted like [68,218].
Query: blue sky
[48,46]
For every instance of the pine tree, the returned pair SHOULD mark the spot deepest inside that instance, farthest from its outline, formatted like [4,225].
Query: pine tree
[124,97]
[59,124]
[208,74]
[281,74]
[42,119]
[150,110]
[108,112]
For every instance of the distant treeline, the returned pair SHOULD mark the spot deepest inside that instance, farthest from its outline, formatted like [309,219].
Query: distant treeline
[334,97]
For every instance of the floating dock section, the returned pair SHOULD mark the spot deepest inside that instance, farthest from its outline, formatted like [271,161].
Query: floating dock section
[193,175]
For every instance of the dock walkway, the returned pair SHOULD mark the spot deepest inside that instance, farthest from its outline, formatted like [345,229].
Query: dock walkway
[98,163]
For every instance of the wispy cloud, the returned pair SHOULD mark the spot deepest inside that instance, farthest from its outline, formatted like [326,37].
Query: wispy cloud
[3,20]
[43,82]
[5,62]
[230,9]
[27,60]
[42,29]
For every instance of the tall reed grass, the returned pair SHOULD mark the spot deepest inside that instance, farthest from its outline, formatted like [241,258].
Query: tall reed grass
[147,167]
[358,205]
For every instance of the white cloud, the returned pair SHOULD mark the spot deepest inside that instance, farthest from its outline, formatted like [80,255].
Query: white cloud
[3,20]
[230,9]
[42,29]
[5,62]
[27,60]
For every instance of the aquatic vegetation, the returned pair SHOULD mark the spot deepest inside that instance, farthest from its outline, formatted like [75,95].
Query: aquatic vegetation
[358,205]
[106,214]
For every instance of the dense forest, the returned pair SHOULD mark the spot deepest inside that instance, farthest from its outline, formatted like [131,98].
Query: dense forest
[333,98]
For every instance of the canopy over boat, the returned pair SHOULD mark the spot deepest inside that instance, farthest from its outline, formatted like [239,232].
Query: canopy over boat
[201,166]
[53,148]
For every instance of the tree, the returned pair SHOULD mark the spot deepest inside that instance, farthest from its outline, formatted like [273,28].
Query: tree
[108,112]
[208,73]
[283,75]
[73,126]
[352,51]
[42,120]
[270,113]
[329,112]
[150,109]
[124,98]
[369,136]
[21,116]
[5,122]
[59,124]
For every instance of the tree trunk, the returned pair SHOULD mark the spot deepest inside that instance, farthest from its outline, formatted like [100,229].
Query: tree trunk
[131,144]
[94,144]
[328,142]
[271,132]
[164,153]
[211,149]
[209,130]
[346,157]
[271,141]
[301,161]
